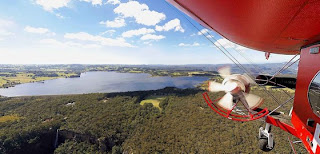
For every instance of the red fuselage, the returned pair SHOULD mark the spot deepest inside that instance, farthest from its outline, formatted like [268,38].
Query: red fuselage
[277,26]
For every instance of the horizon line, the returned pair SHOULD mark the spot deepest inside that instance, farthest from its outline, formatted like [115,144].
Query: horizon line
[140,64]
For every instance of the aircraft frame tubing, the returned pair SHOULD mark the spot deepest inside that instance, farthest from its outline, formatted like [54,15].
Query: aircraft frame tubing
[231,116]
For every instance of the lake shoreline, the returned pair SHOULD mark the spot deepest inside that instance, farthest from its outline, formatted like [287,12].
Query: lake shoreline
[13,84]
[101,82]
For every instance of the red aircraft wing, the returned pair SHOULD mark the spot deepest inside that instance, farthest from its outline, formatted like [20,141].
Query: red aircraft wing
[276,26]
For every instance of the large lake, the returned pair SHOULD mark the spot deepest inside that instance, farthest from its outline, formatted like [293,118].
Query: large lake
[101,82]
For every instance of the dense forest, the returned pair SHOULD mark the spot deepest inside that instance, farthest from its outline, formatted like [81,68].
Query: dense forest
[118,123]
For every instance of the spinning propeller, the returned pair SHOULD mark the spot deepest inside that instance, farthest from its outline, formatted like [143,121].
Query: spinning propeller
[236,87]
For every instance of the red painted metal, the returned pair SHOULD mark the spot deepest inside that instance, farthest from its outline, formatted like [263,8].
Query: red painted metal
[282,125]
[276,26]
[228,113]
[308,67]
[302,111]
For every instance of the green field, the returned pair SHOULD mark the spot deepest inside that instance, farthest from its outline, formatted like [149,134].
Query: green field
[22,77]
[2,82]
[176,74]
[280,89]
[9,118]
[66,74]
[154,100]
[195,73]
[135,72]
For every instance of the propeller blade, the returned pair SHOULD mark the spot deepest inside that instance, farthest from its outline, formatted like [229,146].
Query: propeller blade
[230,86]
[249,79]
[226,101]
[215,86]
[224,71]
[253,100]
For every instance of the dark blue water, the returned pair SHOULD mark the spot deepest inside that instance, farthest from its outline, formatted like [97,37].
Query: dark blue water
[101,82]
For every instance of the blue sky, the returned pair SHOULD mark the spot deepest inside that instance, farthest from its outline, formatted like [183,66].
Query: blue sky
[107,32]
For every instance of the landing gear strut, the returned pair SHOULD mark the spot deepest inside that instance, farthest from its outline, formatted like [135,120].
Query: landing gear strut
[266,142]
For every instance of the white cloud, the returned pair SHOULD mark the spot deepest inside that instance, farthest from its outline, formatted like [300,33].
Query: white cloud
[59,16]
[50,5]
[5,25]
[189,45]
[148,43]
[94,2]
[39,30]
[152,37]
[51,41]
[203,32]
[5,33]
[140,12]
[109,32]
[113,2]
[173,24]
[57,43]
[228,45]
[116,23]
[141,31]
[30,29]
[225,43]
[83,36]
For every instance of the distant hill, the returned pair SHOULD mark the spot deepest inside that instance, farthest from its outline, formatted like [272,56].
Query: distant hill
[268,68]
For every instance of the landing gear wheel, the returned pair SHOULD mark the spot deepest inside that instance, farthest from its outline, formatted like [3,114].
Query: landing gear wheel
[266,141]
[263,145]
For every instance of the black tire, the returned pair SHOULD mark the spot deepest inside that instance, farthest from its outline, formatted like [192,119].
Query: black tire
[263,145]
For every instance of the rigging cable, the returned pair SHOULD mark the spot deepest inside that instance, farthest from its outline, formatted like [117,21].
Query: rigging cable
[256,67]
[238,63]
[258,70]
[264,88]
[233,60]
[284,67]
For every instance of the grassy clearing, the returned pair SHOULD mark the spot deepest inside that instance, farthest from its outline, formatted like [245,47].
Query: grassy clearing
[280,89]
[135,72]
[2,81]
[154,100]
[176,74]
[30,77]
[195,73]
[45,78]
[56,70]
[204,85]
[21,78]
[9,118]
[27,77]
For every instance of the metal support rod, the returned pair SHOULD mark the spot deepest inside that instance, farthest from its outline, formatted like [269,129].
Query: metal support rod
[285,66]
[268,127]
[292,147]
[245,103]
[281,105]
[294,142]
